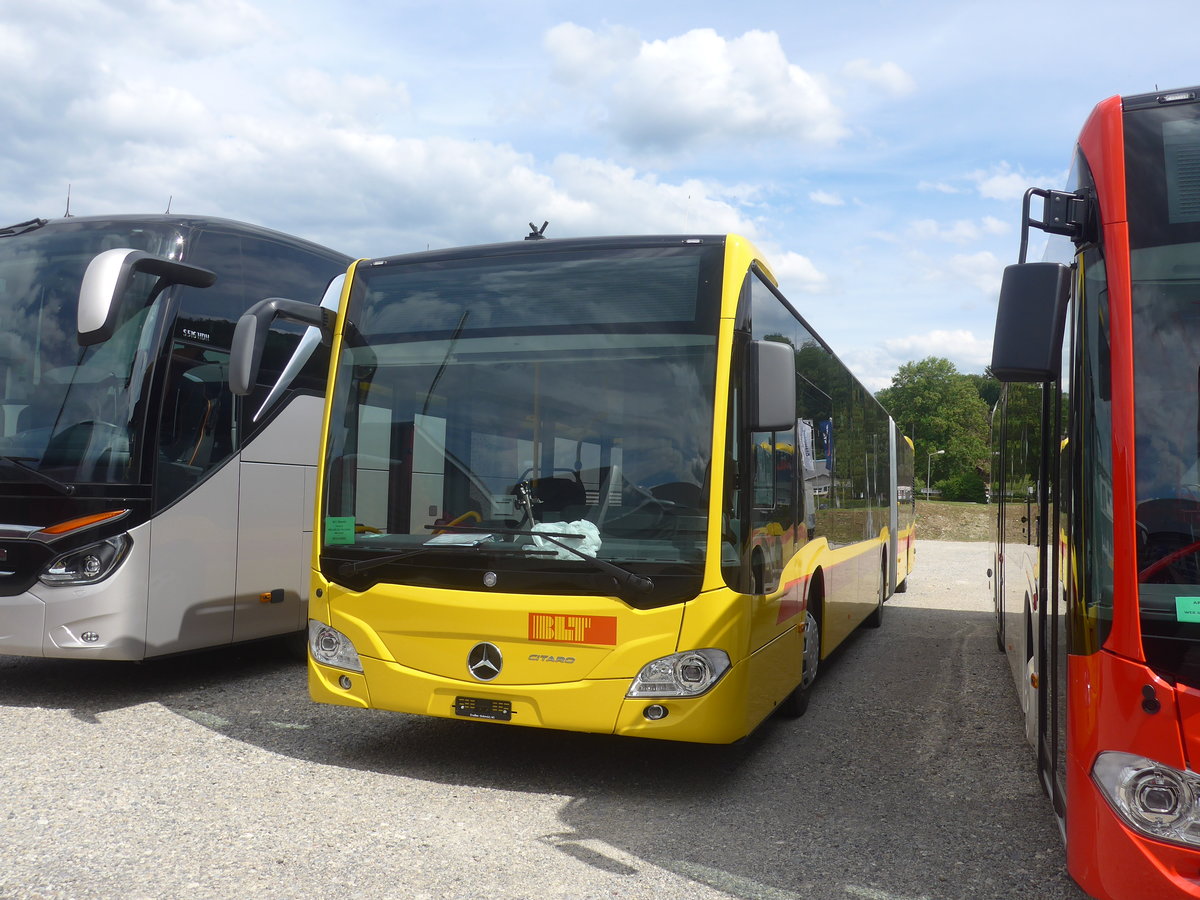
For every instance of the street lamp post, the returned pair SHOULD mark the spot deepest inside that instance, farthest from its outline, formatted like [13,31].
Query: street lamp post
[928,465]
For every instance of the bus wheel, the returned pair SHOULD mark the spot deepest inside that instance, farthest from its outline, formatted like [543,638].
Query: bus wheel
[796,703]
[875,619]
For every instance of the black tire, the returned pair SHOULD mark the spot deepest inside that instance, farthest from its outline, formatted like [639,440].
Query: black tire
[875,619]
[795,704]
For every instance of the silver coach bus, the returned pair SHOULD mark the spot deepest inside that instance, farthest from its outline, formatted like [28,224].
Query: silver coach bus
[144,509]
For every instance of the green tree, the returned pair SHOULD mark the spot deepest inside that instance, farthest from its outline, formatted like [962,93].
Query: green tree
[940,409]
[987,386]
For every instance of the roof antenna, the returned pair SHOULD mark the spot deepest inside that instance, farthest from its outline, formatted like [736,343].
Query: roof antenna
[169,199]
[67,214]
[535,233]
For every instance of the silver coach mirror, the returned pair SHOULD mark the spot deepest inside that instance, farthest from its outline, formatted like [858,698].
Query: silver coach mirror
[108,275]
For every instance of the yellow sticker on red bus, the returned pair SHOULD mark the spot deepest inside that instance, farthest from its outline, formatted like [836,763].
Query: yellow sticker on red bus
[567,629]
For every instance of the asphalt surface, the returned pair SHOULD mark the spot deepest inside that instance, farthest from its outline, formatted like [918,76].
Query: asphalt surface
[214,776]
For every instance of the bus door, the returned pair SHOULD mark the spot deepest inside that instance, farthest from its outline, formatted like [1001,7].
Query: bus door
[191,599]
[1050,664]
[997,488]
[1021,495]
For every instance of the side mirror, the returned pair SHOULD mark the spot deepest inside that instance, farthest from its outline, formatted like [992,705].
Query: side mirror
[312,337]
[771,383]
[1029,322]
[250,335]
[106,279]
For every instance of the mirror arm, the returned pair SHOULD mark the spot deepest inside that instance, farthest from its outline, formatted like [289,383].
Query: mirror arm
[250,335]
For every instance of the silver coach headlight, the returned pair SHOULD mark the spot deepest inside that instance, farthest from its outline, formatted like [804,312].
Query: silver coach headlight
[332,648]
[88,565]
[1159,801]
[686,674]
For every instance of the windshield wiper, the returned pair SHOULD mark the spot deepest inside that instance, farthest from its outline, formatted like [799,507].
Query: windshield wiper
[22,227]
[623,578]
[20,462]
[363,565]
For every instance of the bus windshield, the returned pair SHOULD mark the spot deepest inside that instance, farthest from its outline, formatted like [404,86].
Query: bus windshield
[483,402]
[1166,310]
[1164,235]
[71,413]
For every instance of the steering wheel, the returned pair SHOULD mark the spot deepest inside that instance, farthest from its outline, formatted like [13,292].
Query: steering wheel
[1165,569]
[645,499]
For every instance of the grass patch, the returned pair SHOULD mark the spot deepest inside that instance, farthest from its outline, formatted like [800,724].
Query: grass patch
[943,520]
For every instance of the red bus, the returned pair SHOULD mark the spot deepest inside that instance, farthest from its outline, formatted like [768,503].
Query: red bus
[1096,452]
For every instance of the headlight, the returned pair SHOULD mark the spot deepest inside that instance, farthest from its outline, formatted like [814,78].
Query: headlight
[680,674]
[1156,800]
[331,647]
[89,565]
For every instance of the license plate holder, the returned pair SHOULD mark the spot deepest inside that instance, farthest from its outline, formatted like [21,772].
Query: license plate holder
[483,708]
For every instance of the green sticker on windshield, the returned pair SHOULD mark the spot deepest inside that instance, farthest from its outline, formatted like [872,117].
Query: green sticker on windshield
[1187,609]
[339,529]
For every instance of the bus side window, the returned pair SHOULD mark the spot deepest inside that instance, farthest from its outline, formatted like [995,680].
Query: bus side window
[763,443]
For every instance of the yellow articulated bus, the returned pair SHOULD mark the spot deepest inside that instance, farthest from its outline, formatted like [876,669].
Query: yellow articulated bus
[609,485]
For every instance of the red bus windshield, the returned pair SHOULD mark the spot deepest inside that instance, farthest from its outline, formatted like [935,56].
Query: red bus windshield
[1163,187]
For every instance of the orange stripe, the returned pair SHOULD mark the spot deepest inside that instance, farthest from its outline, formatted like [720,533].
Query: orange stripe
[83,522]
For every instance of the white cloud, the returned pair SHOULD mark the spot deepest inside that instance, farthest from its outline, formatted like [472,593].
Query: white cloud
[345,99]
[998,182]
[982,270]
[330,154]
[194,28]
[798,273]
[826,198]
[888,76]
[961,231]
[992,225]
[960,346]
[615,199]
[142,110]
[1002,182]
[580,55]
[940,187]
[667,94]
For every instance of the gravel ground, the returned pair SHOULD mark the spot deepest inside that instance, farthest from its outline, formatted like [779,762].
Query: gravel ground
[213,776]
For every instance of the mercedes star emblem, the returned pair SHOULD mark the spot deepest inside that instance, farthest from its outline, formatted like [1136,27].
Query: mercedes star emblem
[484,661]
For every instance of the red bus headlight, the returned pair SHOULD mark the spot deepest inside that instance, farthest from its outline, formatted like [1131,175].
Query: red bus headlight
[1157,800]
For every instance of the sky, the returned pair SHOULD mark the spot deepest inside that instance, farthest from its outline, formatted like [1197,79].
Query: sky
[876,151]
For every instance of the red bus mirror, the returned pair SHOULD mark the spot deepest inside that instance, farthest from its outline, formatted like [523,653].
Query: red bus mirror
[1029,322]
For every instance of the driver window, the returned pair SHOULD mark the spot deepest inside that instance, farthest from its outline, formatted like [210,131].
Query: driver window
[197,430]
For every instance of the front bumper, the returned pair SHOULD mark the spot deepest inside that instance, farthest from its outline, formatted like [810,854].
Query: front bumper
[590,705]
